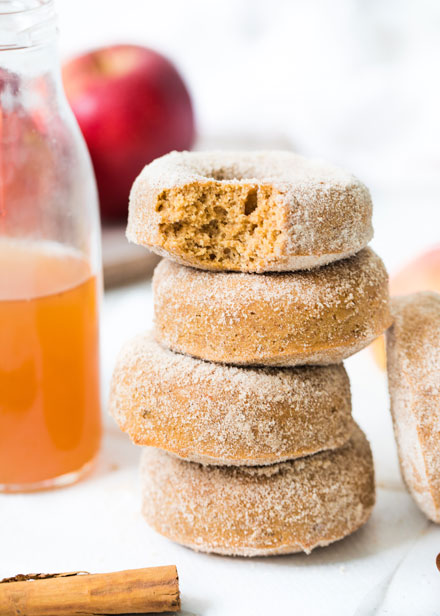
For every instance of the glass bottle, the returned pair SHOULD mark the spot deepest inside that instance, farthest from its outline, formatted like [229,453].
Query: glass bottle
[50,416]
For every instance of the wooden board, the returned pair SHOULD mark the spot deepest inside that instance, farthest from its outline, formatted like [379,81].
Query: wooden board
[124,263]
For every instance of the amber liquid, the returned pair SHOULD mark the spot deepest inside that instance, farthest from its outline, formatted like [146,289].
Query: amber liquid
[50,421]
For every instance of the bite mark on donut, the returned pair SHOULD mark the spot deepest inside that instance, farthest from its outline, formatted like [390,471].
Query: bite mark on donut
[225,223]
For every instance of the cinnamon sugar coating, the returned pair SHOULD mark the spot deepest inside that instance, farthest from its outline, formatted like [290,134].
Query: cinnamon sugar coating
[249,511]
[220,414]
[413,362]
[249,211]
[319,316]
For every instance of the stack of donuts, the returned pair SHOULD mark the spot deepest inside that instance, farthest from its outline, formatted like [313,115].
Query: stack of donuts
[239,395]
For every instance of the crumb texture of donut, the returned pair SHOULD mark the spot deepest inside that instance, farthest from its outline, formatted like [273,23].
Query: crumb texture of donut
[413,364]
[223,225]
[249,511]
[251,212]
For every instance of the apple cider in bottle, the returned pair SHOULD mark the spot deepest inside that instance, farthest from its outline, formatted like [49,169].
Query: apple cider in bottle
[50,415]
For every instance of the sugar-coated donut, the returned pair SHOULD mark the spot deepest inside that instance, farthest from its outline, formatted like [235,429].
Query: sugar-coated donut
[260,510]
[319,316]
[249,211]
[413,358]
[220,414]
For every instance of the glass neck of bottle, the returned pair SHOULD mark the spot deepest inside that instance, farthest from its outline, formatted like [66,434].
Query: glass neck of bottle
[28,46]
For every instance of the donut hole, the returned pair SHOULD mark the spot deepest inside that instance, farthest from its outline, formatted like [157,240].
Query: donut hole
[225,174]
[223,223]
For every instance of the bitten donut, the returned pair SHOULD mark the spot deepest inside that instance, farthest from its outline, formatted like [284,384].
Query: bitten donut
[220,414]
[249,211]
[413,358]
[319,316]
[260,510]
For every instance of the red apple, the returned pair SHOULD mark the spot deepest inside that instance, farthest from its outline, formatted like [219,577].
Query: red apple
[132,106]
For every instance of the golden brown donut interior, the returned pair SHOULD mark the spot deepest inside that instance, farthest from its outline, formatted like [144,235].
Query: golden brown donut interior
[230,225]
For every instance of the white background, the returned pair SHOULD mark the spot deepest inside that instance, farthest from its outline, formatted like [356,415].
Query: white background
[353,81]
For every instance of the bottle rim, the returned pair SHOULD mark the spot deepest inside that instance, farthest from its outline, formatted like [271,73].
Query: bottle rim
[26,23]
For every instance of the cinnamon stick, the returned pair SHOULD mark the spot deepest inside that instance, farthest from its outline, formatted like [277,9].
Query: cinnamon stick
[135,591]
